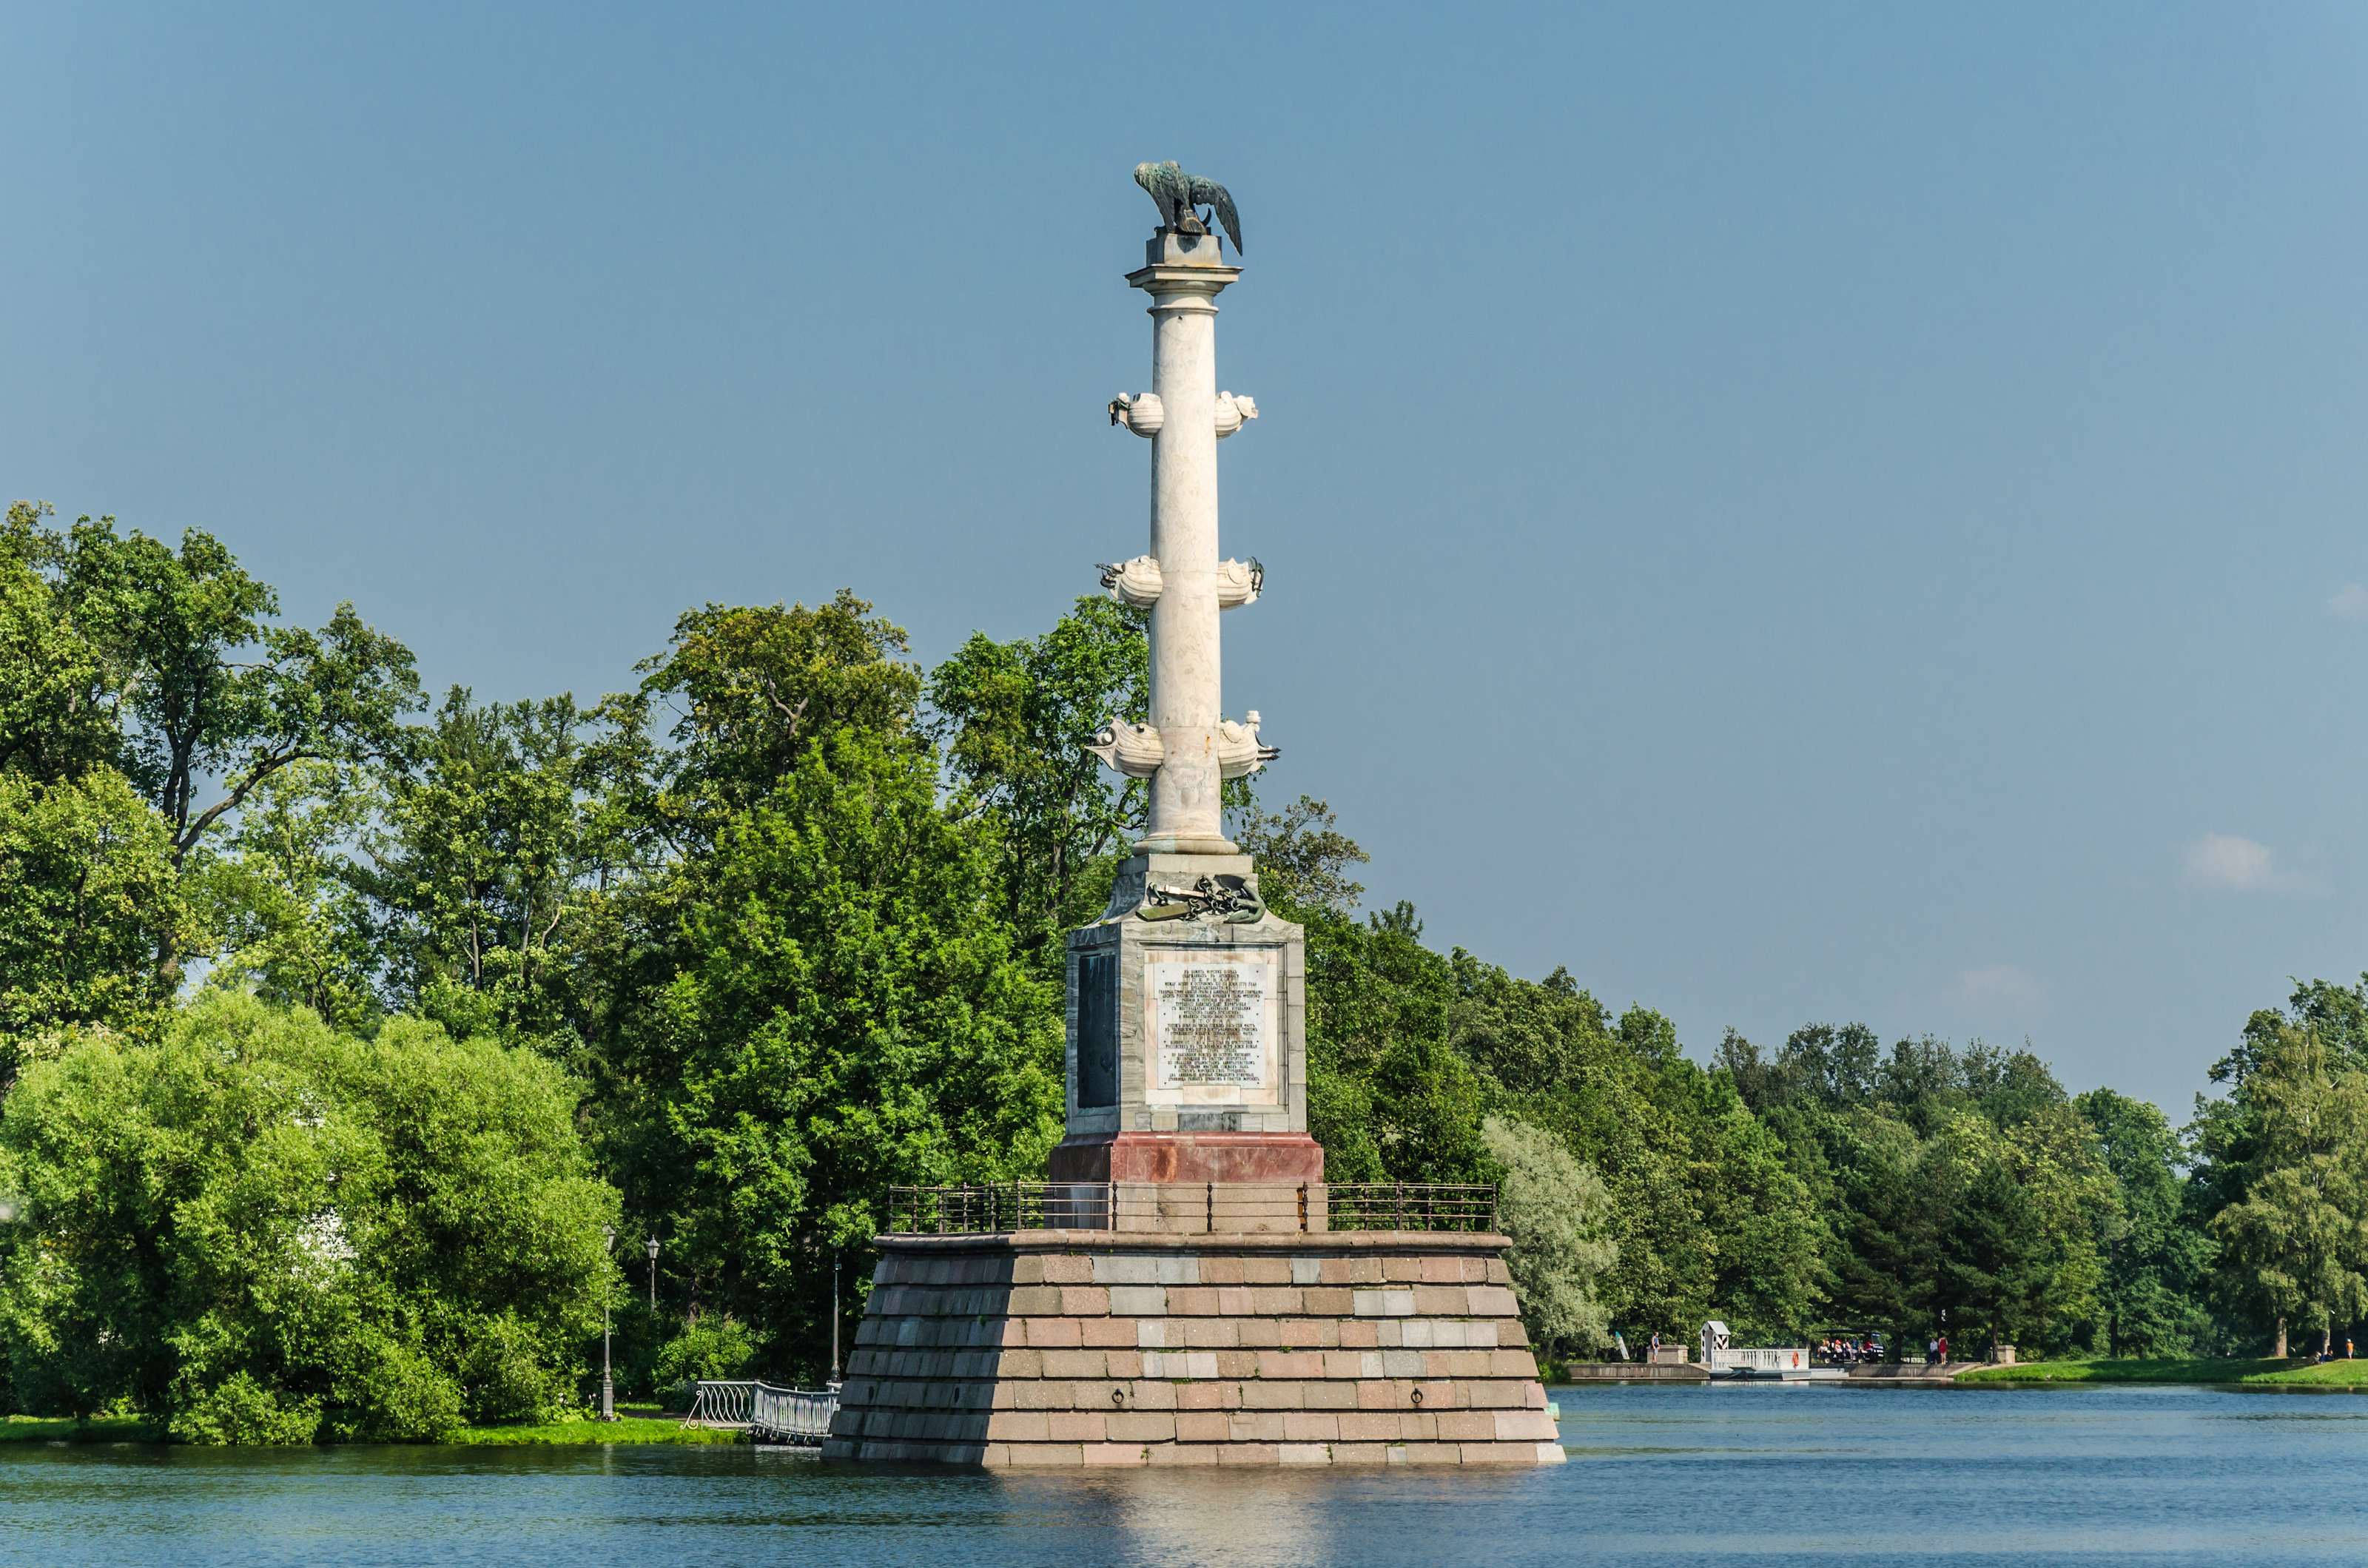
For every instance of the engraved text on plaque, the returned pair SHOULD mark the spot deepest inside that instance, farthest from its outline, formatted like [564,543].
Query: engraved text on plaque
[1212,1024]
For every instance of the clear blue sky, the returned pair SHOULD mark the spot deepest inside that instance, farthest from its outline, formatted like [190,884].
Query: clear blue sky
[1794,512]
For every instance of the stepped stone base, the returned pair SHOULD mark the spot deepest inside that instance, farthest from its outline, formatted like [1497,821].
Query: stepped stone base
[1093,1348]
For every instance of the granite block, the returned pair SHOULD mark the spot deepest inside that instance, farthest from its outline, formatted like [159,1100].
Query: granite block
[1307,1271]
[1266,1270]
[1304,1453]
[1112,1269]
[1075,1425]
[1290,1364]
[1184,1453]
[1054,1334]
[1136,1300]
[1462,1426]
[1085,1300]
[1043,1455]
[1304,1426]
[1200,1427]
[1140,1426]
[1109,1333]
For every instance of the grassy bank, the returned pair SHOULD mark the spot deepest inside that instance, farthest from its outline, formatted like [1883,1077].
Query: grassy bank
[626,1430]
[132,1429]
[2289,1374]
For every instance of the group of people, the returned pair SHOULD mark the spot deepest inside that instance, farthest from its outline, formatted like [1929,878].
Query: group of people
[1849,1352]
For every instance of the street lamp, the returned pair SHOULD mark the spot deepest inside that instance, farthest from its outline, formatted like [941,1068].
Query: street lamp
[652,1245]
[833,1318]
[607,1382]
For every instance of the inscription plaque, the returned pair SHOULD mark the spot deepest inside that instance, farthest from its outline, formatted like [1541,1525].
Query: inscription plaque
[1213,1024]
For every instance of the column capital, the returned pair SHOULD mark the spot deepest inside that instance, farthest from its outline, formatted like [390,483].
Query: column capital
[1182,264]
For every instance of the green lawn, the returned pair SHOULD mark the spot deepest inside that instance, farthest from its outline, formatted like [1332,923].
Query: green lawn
[131,1429]
[2333,1374]
[625,1429]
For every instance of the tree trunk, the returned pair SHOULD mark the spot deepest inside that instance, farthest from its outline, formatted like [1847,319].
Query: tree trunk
[2322,1344]
[2280,1352]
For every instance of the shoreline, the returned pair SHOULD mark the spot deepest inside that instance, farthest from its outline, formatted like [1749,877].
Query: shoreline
[632,1431]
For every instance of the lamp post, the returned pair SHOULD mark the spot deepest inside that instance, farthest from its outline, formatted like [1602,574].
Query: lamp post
[607,1382]
[652,1244]
[833,1318]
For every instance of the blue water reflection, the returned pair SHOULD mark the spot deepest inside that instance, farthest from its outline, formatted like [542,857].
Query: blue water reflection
[1658,1475]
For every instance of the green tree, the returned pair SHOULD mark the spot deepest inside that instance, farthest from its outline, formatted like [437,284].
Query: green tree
[1302,857]
[57,720]
[280,895]
[87,896]
[1557,1213]
[265,1229]
[492,865]
[826,998]
[1014,719]
[2155,1261]
[2300,1233]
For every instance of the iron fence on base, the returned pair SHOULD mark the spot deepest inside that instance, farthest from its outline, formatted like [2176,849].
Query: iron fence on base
[979,1208]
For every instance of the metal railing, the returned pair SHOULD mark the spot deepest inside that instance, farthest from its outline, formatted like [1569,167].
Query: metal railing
[1411,1206]
[799,1417]
[974,1209]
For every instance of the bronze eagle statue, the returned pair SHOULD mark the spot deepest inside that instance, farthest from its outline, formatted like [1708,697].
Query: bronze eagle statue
[1179,196]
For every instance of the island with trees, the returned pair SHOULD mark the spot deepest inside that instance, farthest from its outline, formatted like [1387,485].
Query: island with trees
[354,1044]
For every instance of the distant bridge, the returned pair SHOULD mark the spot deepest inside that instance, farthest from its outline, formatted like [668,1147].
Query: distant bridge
[798,1417]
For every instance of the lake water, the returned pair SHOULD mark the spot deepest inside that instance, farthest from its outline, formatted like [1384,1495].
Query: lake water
[1657,1475]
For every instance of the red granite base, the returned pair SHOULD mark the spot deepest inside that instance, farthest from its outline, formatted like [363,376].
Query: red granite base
[1275,1158]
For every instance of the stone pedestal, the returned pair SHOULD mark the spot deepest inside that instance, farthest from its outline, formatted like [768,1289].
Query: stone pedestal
[1187,1038]
[1086,1347]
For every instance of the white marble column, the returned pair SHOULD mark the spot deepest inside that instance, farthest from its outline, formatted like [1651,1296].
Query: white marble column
[1185,274]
